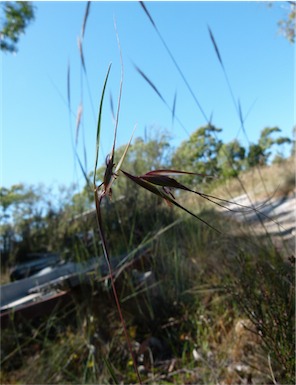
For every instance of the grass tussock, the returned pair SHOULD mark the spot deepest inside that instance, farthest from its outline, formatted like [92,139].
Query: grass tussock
[199,316]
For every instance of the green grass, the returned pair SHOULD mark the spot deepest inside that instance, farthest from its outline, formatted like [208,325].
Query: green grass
[185,318]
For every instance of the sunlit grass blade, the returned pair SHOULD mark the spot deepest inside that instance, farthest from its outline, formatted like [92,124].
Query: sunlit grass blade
[113,175]
[99,123]
[78,121]
[168,172]
[162,194]
[125,152]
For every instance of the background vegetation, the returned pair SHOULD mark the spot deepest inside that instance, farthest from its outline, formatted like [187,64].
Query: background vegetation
[200,306]
[199,317]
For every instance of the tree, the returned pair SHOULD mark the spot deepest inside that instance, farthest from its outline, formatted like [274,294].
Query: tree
[16,208]
[288,25]
[33,219]
[15,18]
[255,156]
[260,153]
[199,153]
[230,158]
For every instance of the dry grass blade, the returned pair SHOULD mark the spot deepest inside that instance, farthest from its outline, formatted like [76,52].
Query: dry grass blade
[150,186]
[109,175]
[83,171]
[80,46]
[112,107]
[147,13]
[165,181]
[79,42]
[174,108]
[215,46]
[78,121]
[80,39]
[177,172]
[120,91]
[153,86]
[246,208]
[161,178]
[150,83]
[191,91]
[223,68]
[85,18]
[68,87]
[240,115]
[174,61]
[242,118]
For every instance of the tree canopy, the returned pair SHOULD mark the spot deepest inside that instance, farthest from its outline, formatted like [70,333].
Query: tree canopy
[288,25]
[15,18]
[34,218]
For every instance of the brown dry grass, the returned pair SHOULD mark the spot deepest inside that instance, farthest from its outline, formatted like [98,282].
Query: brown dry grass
[261,182]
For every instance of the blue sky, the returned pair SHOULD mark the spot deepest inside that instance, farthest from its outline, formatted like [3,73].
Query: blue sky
[36,131]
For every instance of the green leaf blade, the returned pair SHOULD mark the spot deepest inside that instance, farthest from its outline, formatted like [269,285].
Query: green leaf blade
[99,122]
